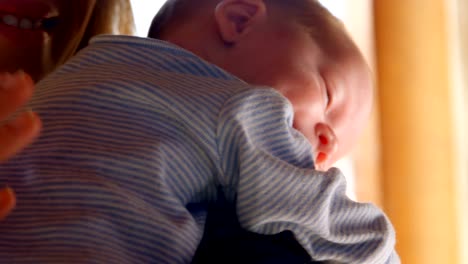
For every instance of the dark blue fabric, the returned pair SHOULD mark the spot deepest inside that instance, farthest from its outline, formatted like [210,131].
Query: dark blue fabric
[224,241]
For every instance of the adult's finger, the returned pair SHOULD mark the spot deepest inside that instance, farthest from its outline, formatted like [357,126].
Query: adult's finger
[7,202]
[17,134]
[15,90]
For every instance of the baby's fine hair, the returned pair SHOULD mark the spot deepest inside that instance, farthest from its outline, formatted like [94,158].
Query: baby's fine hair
[310,13]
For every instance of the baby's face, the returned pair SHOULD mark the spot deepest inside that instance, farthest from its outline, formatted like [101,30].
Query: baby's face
[330,89]
[331,98]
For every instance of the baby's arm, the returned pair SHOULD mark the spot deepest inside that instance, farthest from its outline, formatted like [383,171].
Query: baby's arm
[269,168]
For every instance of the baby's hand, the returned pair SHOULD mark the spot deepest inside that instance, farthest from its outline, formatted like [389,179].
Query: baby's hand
[7,202]
[15,90]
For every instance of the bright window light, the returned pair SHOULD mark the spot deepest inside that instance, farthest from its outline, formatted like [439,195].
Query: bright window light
[144,11]
[336,7]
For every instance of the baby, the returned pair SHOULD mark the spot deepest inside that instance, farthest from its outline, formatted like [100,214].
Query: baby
[239,100]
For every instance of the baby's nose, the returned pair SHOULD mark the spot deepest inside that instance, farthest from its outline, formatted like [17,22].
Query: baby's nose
[327,145]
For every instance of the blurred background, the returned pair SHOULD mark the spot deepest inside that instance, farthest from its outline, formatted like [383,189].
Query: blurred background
[412,160]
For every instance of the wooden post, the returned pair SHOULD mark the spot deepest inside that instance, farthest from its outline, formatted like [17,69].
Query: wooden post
[418,160]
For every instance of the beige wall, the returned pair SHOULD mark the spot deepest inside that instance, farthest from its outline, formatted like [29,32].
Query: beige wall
[358,18]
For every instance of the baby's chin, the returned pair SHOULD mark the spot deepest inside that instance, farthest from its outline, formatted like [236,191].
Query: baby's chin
[323,166]
[327,163]
[320,164]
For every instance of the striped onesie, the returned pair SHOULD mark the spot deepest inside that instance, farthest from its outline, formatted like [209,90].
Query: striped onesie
[136,131]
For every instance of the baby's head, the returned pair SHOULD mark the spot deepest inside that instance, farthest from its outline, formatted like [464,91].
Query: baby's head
[294,46]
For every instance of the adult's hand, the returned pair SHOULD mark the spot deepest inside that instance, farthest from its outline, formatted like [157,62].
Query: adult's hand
[15,90]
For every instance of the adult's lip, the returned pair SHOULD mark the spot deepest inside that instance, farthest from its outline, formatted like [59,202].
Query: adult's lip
[29,14]
[27,22]
[32,9]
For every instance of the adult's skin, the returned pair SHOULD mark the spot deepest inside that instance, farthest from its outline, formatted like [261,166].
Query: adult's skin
[36,36]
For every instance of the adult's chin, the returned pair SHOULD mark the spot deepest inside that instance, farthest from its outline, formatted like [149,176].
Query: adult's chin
[34,60]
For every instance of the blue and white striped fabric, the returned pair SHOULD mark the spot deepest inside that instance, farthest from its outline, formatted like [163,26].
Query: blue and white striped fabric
[136,130]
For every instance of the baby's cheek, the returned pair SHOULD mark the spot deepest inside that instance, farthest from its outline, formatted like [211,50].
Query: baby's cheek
[305,126]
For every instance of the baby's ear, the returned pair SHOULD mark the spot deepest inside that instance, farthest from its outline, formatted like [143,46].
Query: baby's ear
[235,18]
[326,146]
